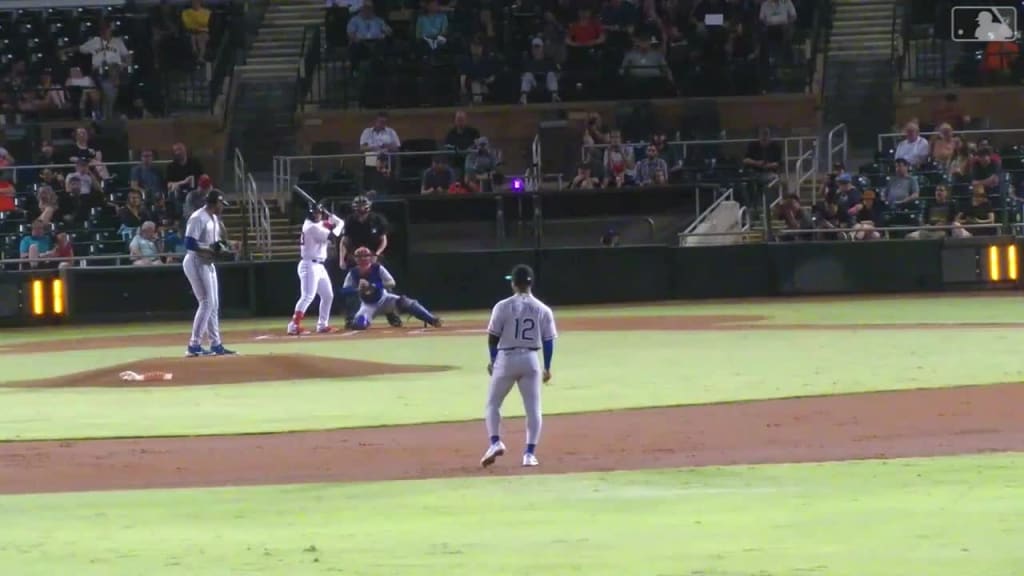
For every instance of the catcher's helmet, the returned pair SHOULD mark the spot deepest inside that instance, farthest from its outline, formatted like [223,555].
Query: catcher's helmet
[361,204]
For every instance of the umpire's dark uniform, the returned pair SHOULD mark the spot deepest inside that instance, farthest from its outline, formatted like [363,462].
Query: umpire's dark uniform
[368,231]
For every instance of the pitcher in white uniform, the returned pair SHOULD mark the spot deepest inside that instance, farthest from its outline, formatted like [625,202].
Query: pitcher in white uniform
[313,279]
[202,242]
[520,326]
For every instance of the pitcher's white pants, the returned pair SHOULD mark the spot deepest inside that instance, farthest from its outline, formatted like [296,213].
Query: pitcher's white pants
[203,278]
[314,281]
[517,366]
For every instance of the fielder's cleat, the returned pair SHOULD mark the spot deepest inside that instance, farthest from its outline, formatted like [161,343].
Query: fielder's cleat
[493,451]
[394,320]
[194,351]
[326,330]
[530,460]
[220,350]
[436,322]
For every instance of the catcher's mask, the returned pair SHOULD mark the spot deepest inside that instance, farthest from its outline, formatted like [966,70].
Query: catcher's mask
[364,258]
[361,205]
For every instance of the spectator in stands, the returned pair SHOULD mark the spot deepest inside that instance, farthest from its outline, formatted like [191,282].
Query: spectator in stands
[145,245]
[146,177]
[619,18]
[584,180]
[132,215]
[902,189]
[15,86]
[778,17]
[868,215]
[196,199]
[105,49]
[63,248]
[166,33]
[47,208]
[653,169]
[365,31]
[828,215]
[376,142]
[586,31]
[744,53]
[618,158]
[49,99]
[847,195]
[6,159]
[182,173]
[80,149]
[670,154]
[764,157]
[950,112]
[50,178]
[538,68]
[979,211]
[47,155]
[462,136]
[960,164]
[432,26]
[477,72]
[196,20]
[913,148]
[7,195]
[646,71]
[85,97]
[38,244]
[985,170]
[86,179]
[438,178]
[618,177]
[594,132]
[481,166]
[944,145]
[941,211]
[793,215]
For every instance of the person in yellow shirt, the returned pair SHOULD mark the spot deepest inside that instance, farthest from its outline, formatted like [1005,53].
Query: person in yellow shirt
[197,23]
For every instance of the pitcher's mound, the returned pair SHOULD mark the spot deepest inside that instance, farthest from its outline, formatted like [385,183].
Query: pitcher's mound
[213,370]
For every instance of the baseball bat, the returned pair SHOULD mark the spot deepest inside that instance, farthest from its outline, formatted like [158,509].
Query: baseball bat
[309,198]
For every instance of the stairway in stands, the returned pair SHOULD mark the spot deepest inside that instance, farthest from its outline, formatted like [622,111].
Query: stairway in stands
[284,235]
[263,112]
[859,78]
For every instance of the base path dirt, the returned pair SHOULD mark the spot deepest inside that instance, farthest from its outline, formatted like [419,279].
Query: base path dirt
[226,370]
[878,425]
[462,328]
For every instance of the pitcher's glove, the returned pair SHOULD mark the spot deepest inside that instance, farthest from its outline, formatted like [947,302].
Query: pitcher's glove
[222,250]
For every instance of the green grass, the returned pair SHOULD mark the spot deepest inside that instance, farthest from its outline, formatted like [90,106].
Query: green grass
[645,369]
[940,517]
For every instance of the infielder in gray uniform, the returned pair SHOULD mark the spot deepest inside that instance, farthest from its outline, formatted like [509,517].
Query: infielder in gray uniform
[520,326]
[203,244]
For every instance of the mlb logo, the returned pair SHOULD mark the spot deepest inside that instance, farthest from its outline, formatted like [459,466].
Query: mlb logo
[984,23]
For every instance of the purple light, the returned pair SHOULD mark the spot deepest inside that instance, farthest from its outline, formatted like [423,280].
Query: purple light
[518,184]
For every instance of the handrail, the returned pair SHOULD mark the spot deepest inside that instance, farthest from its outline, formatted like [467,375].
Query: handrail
[887,229]
[811,173]
[955,133]
[282,165]
[535,167]
[702,216]
[86,259]
[15,168]
[841,133]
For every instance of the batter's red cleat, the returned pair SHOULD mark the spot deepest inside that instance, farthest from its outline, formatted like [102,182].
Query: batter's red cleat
[295,330]
[326,330]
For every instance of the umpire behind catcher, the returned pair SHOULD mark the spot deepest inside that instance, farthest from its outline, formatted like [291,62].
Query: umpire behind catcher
[363,227]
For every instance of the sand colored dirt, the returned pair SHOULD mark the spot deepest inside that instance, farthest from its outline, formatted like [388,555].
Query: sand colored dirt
[213,370]
[462,328]
[878,425]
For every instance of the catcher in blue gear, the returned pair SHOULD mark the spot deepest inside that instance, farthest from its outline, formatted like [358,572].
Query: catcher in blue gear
[374,286]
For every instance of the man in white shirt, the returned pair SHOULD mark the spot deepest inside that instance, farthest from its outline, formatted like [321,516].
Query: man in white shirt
[106,50]
[375,142]
[778,17]
[520,326]
[914,149]
[203,243]
[316,234]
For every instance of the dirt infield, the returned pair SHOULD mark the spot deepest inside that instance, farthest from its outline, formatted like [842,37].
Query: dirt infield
[462,328]
[880,425]
[226,370]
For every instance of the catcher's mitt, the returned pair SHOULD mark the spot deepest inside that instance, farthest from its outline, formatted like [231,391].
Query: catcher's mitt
[368,292]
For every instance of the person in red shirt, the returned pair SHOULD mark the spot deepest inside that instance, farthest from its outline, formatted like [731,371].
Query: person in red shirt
[586,31]
[64,249]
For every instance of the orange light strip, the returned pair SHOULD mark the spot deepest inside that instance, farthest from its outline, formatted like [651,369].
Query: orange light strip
[57,289]
[994,274]
[38,302]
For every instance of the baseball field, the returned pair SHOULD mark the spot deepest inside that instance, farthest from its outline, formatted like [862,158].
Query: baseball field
[830,437]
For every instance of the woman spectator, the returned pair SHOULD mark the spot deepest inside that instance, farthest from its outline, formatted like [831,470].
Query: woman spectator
[594,132]
[944,145]
[47,204]
[960,163]
[132,215]
[64,249]
[618,157]
[196,21]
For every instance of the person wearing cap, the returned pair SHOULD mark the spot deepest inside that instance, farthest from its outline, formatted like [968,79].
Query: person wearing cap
[196,199]
[646,71]
[203,242]
[520,326]
[538,68]
[439,177]
[847,195]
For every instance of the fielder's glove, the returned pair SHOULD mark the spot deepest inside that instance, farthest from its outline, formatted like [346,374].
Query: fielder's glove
[222,250]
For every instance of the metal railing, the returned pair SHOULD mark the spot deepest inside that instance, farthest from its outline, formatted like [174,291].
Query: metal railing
[810,158]
[260,218]
[119,259]
[37,167]
[794,150]
[838,143]
[885,231]
[896,136]
[742,219]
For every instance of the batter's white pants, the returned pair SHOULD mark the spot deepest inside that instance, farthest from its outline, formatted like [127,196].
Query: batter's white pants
[517,366]
[313,282]
[203,278]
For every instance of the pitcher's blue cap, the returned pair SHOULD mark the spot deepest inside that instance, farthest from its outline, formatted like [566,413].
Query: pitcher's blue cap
[522,275]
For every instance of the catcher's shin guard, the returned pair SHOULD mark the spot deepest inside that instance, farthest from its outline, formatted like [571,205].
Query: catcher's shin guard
[417,310]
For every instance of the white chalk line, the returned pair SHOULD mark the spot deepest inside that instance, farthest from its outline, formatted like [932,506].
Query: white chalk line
[350,333]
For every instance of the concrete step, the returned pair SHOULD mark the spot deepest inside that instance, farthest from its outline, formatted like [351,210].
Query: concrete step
[846,54]
[291,22]
[840,3]
[856,43]
[275,52]
[280,32]
[263,61]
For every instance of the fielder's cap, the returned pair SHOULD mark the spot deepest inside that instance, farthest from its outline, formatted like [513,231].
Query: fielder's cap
[522,275]
[216,196]
[205,181]
[537,41]
[844,177]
